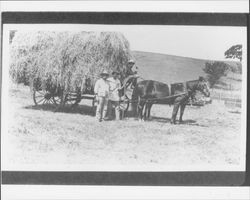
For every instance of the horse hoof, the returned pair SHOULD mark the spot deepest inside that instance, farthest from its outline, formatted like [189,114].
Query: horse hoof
[172,122]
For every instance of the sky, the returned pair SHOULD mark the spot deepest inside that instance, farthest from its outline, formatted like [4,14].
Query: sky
[204,42]
[197,42]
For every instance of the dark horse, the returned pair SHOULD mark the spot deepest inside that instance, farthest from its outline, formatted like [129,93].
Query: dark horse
[149,92]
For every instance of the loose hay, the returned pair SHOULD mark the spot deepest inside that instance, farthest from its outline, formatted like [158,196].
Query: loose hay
[65,58]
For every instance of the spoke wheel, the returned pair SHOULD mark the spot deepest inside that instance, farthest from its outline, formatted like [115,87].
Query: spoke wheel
[94,101]
[42,97]
[56,100]
[124,105]
[71,99]
[68,99]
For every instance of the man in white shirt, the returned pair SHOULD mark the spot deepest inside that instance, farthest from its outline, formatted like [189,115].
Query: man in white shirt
[114,98]
[101,90]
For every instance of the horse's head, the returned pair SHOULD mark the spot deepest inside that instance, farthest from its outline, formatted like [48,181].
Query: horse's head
[203,87]
[130,81]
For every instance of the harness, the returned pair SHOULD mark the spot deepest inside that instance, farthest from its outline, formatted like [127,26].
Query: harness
[187,92]
[125,84]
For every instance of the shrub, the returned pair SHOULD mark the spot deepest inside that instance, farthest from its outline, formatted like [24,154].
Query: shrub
[215,70]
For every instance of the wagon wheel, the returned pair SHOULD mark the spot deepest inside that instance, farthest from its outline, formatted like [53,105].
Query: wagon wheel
[42,97]
[124,105]
[94,101]
[69,99]
[56,100]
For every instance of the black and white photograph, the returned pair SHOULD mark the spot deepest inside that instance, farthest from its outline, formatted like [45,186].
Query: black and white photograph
[123,97]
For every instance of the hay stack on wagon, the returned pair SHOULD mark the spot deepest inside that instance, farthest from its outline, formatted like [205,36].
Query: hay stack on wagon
[65,59]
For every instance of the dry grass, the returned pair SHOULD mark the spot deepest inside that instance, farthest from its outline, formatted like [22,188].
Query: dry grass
[66,58]
[172,69]
[37,135]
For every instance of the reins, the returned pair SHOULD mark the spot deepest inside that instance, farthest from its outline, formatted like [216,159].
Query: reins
[154,99]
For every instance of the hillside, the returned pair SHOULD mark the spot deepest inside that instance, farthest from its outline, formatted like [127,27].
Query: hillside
[169,68]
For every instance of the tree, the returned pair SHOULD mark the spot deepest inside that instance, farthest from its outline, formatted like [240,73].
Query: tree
[215,71]
[234,52]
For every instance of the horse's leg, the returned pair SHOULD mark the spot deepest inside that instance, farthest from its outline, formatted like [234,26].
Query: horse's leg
[174,113]
[182,108]
[149,110]
[140,109]
[143,106]
[175,110]
[145,111]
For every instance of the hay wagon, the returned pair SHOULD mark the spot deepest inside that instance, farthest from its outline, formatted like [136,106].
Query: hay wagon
[64,58]
[48,94]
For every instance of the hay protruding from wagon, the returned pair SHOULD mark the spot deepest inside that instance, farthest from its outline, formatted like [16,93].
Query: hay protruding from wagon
[65,59]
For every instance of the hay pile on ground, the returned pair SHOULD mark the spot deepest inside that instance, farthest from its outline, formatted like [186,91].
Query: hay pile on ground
[66,58]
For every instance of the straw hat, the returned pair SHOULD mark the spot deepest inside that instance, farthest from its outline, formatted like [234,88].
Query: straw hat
[104,73]
[131,61]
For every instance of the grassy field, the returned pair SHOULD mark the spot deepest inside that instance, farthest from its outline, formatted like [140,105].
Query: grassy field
[172,69]
[37,135]
[210,135]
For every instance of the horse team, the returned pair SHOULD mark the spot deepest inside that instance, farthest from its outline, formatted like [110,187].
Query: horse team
[145,93]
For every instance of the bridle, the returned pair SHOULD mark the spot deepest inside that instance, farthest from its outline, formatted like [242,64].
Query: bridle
[202,86]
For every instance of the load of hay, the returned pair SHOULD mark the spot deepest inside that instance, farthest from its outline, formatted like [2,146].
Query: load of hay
[65,59]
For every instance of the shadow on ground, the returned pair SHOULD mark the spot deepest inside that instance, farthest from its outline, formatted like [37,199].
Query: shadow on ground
[161,119]
[79,109]
[189,122]
[235,111]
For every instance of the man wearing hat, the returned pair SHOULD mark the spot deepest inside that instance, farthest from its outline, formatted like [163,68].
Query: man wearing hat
[101,90]
[114,98]
[129,69]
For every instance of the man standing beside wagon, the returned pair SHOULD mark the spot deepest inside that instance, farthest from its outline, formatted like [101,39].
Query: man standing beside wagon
[114,98]
[101,90]
[107,92]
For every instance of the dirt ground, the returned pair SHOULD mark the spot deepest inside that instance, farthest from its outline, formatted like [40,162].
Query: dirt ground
[210,135]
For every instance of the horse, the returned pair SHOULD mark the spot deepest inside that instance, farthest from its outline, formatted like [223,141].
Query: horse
[149,92]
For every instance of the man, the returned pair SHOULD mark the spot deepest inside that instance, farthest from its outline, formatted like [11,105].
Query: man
[114,98]
[130,72]
[129,68]
[101,90]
